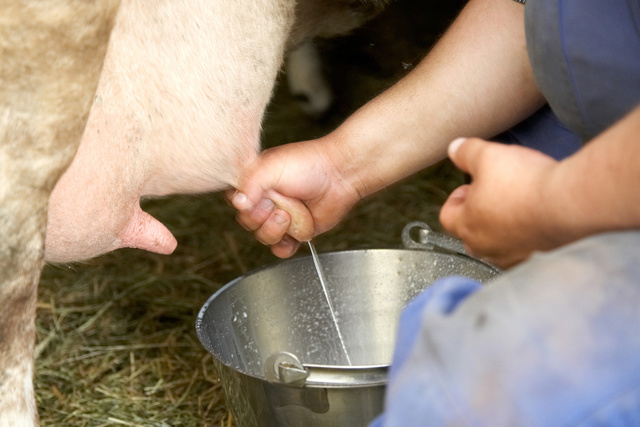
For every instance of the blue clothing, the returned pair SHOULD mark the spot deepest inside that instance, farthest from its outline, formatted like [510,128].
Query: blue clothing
[543,132]
[441,297]
[555,341]
[586,60]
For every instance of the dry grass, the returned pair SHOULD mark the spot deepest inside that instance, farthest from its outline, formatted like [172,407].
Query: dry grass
[116,342]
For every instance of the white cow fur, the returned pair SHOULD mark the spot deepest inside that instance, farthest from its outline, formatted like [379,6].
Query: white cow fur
[51,58]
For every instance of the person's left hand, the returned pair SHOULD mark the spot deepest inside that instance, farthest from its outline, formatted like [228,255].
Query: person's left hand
[500,216]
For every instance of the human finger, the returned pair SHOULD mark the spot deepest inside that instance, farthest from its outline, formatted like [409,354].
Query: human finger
[274,227]
[229,195]
[465,153]
[285,247]
[253,216]
[301,225]
[263,174]
[451,212]
[252,219]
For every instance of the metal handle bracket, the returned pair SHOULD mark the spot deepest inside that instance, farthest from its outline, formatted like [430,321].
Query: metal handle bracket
[430,240]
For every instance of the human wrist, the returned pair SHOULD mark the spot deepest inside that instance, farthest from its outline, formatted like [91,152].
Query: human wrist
[344,165]
[362,158]
[565,219]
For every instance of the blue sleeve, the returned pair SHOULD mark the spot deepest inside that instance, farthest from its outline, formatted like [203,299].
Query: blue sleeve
[440,299]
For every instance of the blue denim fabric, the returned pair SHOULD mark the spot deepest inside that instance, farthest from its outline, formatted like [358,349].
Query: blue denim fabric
[586,59]
[553,342]
[441,297]
[543,132]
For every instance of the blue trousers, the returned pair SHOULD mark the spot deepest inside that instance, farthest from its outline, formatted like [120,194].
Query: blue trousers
[552,342]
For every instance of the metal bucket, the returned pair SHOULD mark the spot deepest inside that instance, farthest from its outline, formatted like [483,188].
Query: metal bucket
[279,354]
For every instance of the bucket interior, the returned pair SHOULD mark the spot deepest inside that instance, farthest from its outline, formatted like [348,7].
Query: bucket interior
[283,307]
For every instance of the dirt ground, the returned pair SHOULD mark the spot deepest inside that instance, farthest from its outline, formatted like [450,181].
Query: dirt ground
[116,342]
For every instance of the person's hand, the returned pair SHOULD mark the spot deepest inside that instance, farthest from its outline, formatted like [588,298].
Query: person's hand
[305,171]
[500,216]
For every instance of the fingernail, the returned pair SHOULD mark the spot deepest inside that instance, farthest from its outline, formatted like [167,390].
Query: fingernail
[454,145]
[240,200]
[284,242]
[279,218]
[459,193]
[266,204]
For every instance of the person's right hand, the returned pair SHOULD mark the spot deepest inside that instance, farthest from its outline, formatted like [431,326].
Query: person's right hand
[307,171]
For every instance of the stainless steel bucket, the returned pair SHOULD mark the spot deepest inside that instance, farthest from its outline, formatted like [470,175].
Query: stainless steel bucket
[278,352]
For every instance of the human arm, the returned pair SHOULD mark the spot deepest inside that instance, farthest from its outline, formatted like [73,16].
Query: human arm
[476,81]
[521,201]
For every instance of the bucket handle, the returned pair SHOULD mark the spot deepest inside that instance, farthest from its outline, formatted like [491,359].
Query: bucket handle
[430,240]
[285,368]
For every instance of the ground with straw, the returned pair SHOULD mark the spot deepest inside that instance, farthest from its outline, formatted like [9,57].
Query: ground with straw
[116,342]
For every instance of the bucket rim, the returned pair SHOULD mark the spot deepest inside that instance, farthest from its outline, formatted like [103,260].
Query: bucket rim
[323,371]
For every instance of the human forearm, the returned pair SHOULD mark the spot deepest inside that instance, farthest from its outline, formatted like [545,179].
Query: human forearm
[521,200]
[476,81]
[596,189]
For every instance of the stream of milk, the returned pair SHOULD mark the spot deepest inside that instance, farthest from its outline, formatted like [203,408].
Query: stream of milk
[316,262]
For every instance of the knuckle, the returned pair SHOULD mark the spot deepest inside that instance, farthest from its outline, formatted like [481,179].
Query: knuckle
[268,236]
[264,237]
[245,223]
[446,221]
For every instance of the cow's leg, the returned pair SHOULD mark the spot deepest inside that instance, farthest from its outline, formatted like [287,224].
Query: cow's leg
[324,19]
[22,222]
[306,80]
[52,53]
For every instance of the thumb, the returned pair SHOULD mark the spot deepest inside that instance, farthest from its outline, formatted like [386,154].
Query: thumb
[147,233]
[302,227]
[262,175]
[464,152]
[451,211]
[261,180]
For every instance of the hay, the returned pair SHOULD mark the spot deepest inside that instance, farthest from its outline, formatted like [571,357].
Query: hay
[116,342]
